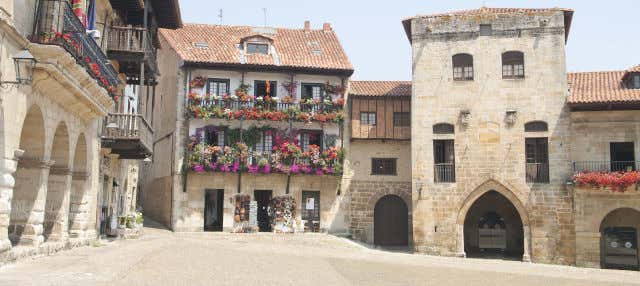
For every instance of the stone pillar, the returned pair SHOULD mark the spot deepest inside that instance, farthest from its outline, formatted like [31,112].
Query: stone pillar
[79,207]
[57,212]
[460,233]
[526,257]
[7,182]
[29,199]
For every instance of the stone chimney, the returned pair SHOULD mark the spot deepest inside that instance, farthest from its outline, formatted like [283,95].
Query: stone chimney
[326,27]
[307,26]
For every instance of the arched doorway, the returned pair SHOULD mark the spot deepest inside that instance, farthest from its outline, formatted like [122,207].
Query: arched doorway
[619,239]
[391,222]
[493,228]
[78,200]
[58,185]
[27,204]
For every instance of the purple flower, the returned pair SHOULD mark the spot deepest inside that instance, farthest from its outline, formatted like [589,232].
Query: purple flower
[329,170]
[236,167]
[198,168]
[225,168]
[213,166]
[266,169]
[295,168]
[253,169]
[319,172]
[307,169]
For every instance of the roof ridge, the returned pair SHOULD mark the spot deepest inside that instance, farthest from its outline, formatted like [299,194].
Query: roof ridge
[484,9]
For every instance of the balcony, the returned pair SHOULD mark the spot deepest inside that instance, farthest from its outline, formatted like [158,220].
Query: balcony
[132,47]
[444,173]
[604,166]
[537,172]
[56,24]
[228,107]
[128,135]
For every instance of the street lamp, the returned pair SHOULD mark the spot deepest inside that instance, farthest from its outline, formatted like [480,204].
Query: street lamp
[24,65]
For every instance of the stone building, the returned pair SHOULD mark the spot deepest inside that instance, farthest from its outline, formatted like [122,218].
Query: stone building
[59,82]
[248,114]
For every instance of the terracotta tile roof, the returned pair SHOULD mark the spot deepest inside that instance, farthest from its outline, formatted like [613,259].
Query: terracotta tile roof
[295,48]
[380,88]
[568,15]
[634,69]
[603,87]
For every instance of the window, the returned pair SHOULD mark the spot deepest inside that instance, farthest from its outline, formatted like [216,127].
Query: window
[383,166]
[264,88]
[367,118]
[513,65]
[254,48]
[401,119]
[443,128]
[312,91]
[265,142]
[485,30]
[636,81]
[536,126]
[218,86]
[444,161]
[622,156]
[463,67]
[213,137]
[309,137]
[311,205]
[537,157]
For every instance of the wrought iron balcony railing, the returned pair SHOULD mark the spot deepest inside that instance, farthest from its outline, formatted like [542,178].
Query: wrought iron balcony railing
[605,166]
[445,172]
[56,24]
[128,135]
[537,172]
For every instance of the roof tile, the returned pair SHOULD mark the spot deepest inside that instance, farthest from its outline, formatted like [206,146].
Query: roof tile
[380,88]
[602,87]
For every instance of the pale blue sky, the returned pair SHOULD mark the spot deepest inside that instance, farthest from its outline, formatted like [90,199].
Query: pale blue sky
[605,35]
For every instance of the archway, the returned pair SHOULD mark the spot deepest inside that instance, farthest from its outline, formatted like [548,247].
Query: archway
[27,204]
[58,185]
[493,228]
[619,239]
[391,222]
[78,200]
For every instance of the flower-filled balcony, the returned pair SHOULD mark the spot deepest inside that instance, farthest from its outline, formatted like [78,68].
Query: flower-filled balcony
[242,105]
[616,176]
[286,156]
[57,24]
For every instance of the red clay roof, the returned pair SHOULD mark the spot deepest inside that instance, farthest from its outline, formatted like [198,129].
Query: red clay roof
[568,15]
[295,48]
[634,69]
[603,87]
[380,88]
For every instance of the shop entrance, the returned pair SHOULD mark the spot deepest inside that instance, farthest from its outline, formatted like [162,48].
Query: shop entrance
[213,207]
[619,240]
[263,198]
[493,228]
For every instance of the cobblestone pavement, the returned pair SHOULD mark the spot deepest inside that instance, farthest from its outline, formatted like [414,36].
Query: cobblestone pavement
[165,258]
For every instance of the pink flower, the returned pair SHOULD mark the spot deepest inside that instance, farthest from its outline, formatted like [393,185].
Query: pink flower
[319,172]
[266,169]
[198,169]
[253,169]
[295,168]
[236,167]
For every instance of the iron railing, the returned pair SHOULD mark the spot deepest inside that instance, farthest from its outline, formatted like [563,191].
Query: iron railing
[124,126]
[605,166]
[268,106]
[56,24]
[537,172]
[445,173]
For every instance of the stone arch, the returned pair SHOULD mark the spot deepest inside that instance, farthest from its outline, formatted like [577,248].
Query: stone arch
[511,197]
[79,196]
[393,190]
[619,239]
[391,224]
[27,204]
[58,185]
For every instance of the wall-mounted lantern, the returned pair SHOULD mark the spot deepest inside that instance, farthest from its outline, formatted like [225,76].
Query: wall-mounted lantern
[465,117]
[511,116]
[24,65]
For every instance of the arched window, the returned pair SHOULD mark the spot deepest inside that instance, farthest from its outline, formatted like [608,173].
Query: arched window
[443,128]
[513,64]
[536,126]
[463,67]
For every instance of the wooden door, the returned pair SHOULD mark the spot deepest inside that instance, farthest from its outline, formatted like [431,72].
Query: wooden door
[263,198]
[391,222]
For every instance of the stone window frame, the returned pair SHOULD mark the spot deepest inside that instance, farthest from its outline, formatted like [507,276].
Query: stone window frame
[462,64]
[443,128]
[536,126]
[513,65]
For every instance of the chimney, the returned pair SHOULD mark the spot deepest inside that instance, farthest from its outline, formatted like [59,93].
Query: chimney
[326,27]
[307,26]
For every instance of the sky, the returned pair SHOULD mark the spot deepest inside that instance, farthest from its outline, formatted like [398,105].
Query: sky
[604,34]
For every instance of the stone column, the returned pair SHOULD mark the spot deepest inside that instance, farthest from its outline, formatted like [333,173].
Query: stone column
[7,182]
[79,207]
[460,233]
[57,214]
[526,257]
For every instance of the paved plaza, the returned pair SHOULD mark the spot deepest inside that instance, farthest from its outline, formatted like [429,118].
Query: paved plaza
[165,258]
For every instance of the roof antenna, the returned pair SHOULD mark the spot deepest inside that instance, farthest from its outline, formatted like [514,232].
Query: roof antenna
[220,16]
[264,10]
